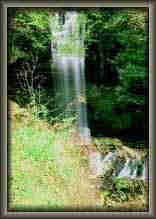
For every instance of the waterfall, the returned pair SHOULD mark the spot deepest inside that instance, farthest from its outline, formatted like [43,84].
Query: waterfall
[130,168]
[68,67]
[144,175]
[133,169]
[126,171]
[100,165]
[68,55]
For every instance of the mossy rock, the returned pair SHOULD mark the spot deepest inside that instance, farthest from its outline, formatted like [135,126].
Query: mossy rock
[104,144]
[15,112]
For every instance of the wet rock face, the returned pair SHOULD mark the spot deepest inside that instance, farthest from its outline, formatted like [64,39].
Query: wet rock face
[119,167]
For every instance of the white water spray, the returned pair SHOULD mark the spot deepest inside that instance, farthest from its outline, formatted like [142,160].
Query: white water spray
[131,168]
[68,66]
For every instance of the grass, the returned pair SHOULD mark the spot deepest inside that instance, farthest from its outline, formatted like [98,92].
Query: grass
[48,171]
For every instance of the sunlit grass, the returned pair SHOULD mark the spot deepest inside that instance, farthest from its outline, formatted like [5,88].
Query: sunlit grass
[48,171]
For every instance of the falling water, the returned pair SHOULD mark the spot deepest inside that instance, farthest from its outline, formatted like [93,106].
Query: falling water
[68,67]
[100,165]
[144,175]
[131,168]
[126,171]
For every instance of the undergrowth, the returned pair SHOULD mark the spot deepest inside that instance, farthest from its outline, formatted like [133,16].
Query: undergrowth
[48,171]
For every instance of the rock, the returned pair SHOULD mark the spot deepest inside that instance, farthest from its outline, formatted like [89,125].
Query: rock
[120,164]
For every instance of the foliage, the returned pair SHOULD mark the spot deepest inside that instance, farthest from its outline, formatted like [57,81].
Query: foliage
[29,33]
[116,58]
[46,170]
[120,191]
[29,40]
[120,35]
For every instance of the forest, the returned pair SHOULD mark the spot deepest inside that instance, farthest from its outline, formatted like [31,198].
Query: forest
[49,166]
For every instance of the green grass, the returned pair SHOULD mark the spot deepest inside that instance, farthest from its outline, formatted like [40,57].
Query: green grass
[31,160]
[48,171]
